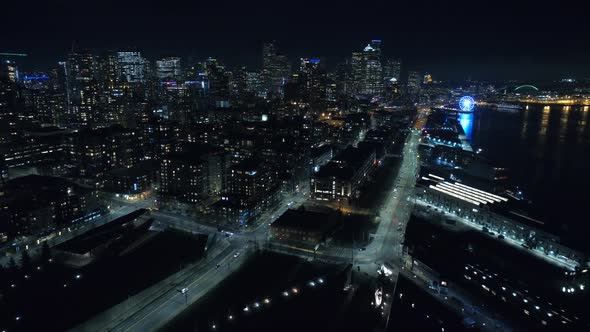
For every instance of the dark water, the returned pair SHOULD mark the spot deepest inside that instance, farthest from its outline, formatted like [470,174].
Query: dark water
[547,149]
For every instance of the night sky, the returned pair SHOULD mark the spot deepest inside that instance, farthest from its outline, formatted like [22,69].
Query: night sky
[477,39]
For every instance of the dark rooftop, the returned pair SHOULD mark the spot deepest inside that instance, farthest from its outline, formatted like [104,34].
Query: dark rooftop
[332,169]
[100,235]
[353,156]
[38,182]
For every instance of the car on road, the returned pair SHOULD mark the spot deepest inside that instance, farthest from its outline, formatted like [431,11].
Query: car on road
[217,266]
[362,249]
[236,254]
[184,290]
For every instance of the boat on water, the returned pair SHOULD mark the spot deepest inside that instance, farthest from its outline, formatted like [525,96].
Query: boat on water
[504,107]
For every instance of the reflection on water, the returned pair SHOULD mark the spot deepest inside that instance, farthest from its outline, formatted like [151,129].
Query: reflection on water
[548,151]
[466,121]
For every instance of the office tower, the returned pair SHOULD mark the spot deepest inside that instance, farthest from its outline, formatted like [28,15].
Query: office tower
[312,81]
[392,69]
[168,68]
[9,71]
[132,66]
[343,78]
[218,80]
[373,71]
[367,70]
[275,69]
[414,81]
[42,108]
[109,71]
[59,86]
[358,72]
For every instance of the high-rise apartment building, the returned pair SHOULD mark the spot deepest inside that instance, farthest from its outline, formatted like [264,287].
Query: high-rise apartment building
[83,89]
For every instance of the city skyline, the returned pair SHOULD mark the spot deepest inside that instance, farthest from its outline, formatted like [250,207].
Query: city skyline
[452,41]
[294,166]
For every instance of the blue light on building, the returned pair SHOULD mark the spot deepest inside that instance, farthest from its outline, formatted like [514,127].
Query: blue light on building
[35,78]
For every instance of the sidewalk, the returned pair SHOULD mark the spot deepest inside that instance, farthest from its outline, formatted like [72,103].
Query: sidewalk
[517,244]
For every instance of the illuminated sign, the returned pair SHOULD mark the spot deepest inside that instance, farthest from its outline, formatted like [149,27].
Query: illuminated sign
[35,78]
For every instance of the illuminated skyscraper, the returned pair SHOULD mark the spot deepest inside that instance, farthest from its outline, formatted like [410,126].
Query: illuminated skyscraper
[414,81]
[133,66]
[218,80]
[373,80]
[275,69]
[254,82]
[313,81]
[9,71]
[168,68]
[367,70]
[108,71]
[358,72]
[392,69]
[83,88]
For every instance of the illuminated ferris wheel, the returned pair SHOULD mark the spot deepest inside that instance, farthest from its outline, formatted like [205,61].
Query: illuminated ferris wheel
[466,104]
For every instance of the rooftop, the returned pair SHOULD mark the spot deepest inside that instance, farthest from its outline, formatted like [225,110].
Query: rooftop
[352,156]
[332,169]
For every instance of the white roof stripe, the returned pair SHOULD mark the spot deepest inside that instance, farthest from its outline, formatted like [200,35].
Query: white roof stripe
[483,192]
[454,195]
[463,193]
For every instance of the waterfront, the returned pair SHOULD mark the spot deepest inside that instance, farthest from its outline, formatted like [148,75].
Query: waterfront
[547,149]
